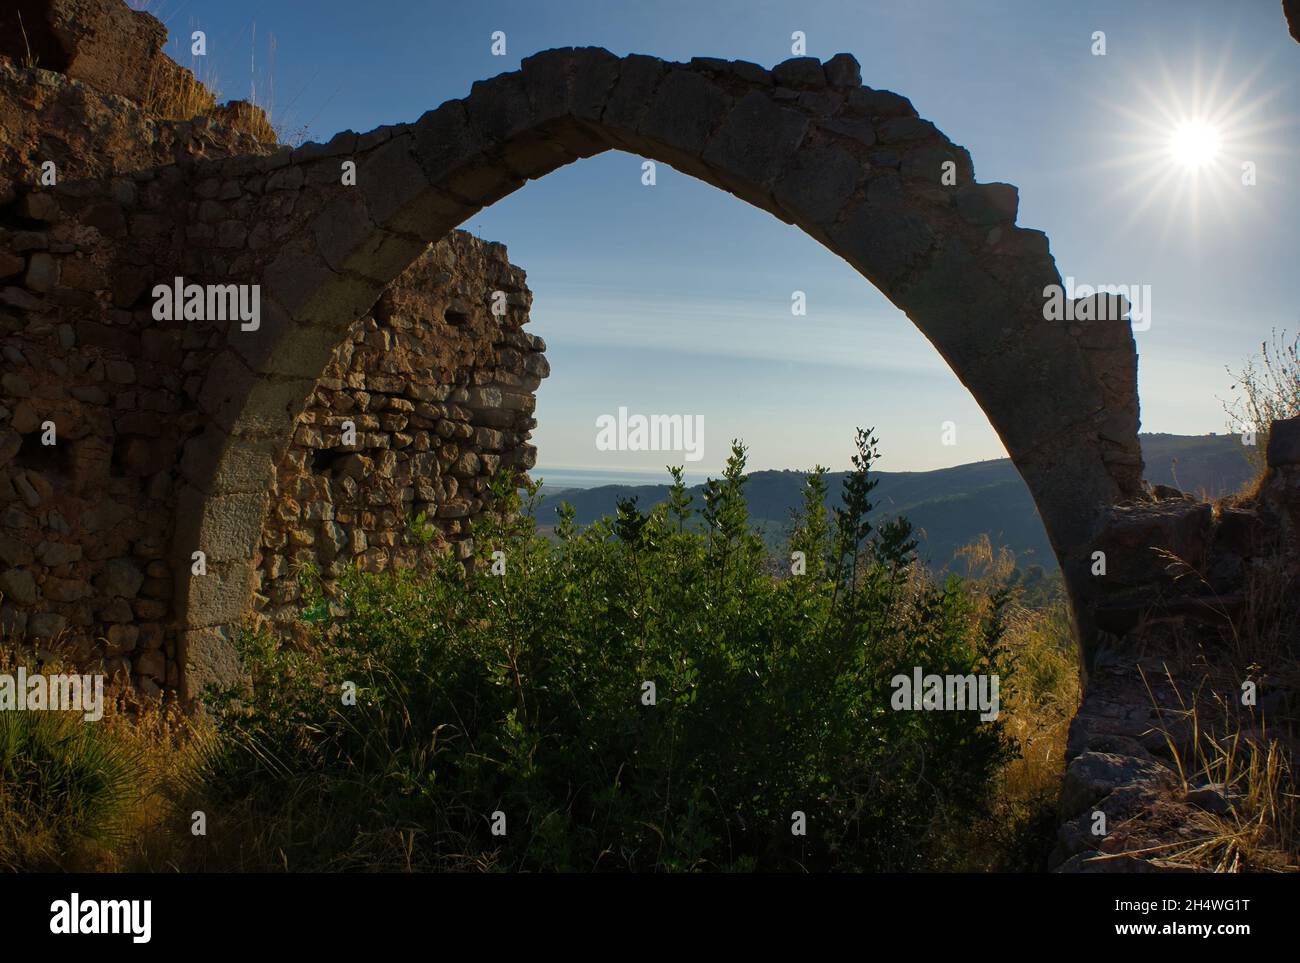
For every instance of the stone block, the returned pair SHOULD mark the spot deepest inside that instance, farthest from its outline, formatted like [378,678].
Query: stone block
[1284,443]
[843,70]
[209,659]
[18,586]
[755,143]
[232,525]
[818,184]
[801,73]
[120,577]
[988,204]
[687,108]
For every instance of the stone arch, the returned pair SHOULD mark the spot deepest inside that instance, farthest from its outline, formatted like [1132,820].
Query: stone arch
[854,168]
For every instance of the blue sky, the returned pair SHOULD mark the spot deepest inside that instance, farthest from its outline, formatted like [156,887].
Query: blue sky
[676,298]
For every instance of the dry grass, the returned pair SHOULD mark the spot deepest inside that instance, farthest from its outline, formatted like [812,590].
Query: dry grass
[175,93]
[1263,632]
[1268,390]
[1045,699]
[167,744]
[1252,768]
[30,60]
[1018,834]
[1245,497]
[136,754]
[179,93]
[1217,745]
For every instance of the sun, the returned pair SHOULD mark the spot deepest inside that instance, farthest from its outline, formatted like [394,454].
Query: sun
[1187,140]
[1195,144]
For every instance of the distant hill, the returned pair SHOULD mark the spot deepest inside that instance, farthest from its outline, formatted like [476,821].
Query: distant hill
[949,507]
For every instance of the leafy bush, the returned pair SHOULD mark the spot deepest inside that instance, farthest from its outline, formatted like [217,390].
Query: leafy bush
[520,688]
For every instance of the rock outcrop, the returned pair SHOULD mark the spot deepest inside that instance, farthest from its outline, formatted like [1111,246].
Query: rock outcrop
[1197,609]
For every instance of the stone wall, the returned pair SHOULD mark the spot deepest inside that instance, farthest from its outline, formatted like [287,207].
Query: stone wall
[86,520]
[91,135]
[439,392]
[440,389]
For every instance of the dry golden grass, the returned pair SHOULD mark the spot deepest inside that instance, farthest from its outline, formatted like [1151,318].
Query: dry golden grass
[146,746]
[29,59]
[178,93]
[167,744]
[1018,834]
[1268,390]
[175,93]
[1245,496]
[1044,701]
[1214,740]
[1253,768]
[1044,696]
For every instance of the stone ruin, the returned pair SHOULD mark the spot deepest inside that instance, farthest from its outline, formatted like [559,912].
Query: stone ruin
[217,437]
[855,168]
[438,388]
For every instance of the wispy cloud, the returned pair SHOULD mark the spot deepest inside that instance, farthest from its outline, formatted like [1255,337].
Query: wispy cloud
[734,327]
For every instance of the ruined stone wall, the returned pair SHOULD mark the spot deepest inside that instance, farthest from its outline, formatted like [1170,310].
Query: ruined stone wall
[106,45]
[439,392]
[855,168]
[88,522]
[1195,600]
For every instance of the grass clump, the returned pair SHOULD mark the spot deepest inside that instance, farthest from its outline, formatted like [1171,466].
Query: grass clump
[1268,390]
[65,785]
[92,796]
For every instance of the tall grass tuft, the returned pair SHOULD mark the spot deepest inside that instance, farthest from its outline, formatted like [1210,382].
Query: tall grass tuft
[1257,827]
[66,789]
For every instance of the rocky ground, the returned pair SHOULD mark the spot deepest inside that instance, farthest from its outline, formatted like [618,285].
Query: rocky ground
[1190,707]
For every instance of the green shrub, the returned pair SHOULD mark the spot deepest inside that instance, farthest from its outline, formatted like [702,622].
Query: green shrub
[524,693]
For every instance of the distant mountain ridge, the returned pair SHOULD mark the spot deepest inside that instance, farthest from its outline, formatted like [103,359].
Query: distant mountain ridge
[949,507]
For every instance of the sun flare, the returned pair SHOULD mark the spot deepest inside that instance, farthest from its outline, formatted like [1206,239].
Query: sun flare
[1190,140]
[1195,144]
